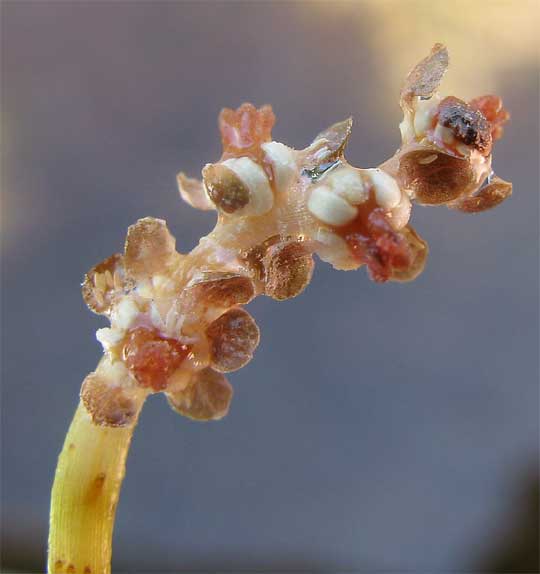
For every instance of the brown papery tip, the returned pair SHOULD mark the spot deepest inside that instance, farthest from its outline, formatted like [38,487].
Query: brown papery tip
[425,77]
[149,247]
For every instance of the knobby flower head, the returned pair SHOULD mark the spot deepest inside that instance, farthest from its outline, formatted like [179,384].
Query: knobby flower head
[177,321]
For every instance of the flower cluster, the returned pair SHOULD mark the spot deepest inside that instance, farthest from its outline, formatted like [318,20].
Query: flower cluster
[177,320]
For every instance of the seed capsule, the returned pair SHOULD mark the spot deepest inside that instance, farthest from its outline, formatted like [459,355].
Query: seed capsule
[232,339]
[207,397]
[288,269]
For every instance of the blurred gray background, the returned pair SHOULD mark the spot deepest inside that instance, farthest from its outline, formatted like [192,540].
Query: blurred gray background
[379,427]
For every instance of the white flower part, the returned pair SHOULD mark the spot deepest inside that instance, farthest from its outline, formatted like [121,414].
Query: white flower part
[156,318]
[424,112]
[334,250]
[444,134]
[406,128]
[282,159]
[400,215]
[329,207]
[118,374]
[125,313]
[261,198]
[109,337]
[162,283]
[145,289]
[348,183]
[387,192]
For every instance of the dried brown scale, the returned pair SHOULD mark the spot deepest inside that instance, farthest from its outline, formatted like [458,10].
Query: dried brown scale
[468,125]
[288,269]
[207,397]
[434,178]
[276,209]
[426,76]
[109,406]
[222,290]
[233,338]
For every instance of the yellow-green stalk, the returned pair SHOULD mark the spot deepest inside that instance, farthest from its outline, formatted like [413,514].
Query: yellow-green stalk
[85,493]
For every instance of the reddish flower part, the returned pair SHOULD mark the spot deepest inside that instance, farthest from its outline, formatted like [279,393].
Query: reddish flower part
[245,129]
[493,110]
[379,246]
[153,358]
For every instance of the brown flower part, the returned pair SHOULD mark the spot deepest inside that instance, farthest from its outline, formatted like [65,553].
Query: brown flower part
[207,397]
[193,193]
[110,398]
[493,110]
[152,358]
[149,249]
[288,269]
[104,283]
[434,177]
[226,190]
[222,289]
[468,125]
[488,197]
[245,129]
[254,256]
[425,77]
[232,338]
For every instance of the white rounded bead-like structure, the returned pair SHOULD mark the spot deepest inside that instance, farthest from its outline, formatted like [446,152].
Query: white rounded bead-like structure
[329,207]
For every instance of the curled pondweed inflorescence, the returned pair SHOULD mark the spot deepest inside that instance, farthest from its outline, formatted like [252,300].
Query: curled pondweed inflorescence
[177,320]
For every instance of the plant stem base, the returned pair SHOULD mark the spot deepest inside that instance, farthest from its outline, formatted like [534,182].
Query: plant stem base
[85,493]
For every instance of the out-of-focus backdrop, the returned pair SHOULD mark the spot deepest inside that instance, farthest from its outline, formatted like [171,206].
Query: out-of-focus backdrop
[389,427]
